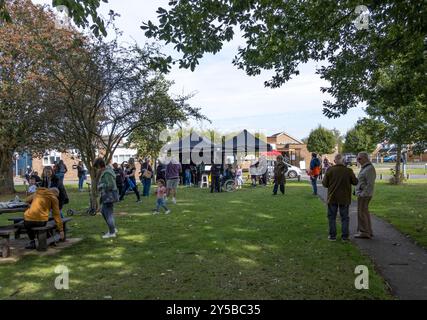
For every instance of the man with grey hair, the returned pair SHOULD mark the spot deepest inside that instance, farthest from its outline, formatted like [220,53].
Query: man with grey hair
[338,180]
[364,192]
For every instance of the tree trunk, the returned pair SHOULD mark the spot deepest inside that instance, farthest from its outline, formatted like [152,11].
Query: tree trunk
[6,172]
[397,179]
[94,188]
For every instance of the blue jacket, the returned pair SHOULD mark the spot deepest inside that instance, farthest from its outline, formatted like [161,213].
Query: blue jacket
[315,162]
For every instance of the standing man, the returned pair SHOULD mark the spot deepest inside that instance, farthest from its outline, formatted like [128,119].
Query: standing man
[81,174]
[314,171]
[364,192]
[173,171]
[216,170]
[338,180]
[280,168]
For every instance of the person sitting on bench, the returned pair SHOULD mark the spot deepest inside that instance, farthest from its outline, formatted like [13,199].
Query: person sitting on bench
[43,201]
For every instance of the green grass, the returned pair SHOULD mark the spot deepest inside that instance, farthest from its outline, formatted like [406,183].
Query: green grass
[241,245]
[404,206]
[385,170]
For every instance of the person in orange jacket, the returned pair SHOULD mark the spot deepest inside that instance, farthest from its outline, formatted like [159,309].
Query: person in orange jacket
[314,171]
[43,201]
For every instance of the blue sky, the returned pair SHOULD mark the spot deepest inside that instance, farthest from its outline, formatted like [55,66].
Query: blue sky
[228,97]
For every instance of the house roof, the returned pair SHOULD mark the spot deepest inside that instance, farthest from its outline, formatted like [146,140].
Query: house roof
[284,133]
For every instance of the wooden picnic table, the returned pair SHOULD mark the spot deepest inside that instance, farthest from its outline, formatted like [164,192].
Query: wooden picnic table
[13,210]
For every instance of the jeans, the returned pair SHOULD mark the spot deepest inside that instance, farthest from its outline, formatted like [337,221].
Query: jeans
[314,184]
[146,185]
[161,203]
[345,219]
[276,186]
[126,187]
[29,225]
[107,213]
[60,176]
[187,179]
[81,181]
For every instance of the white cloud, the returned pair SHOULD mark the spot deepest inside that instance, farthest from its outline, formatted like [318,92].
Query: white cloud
[227,95]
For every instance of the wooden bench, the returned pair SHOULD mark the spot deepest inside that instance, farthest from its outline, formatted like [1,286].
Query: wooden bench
[6,234]
[45,235]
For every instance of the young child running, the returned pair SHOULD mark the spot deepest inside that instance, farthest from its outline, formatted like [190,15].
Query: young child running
[161,194]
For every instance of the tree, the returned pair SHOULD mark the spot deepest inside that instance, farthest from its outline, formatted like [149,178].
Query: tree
[321,140]
[106,92]
[25,84]
[338,140]
[281,35]
[78,10]
[394,114]
[419,148]
[358,140]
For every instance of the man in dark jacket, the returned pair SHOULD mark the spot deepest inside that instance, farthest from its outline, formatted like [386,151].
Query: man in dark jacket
[120,177]
[216,170]
[338,180]
[280,169]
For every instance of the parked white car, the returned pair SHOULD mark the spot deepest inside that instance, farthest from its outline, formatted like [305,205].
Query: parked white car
[292,173]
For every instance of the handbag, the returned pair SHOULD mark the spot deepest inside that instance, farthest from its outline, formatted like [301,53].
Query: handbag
[147,174]
[109,197]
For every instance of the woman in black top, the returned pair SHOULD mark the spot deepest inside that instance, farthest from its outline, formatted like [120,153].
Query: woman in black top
[130,181]
[50,180]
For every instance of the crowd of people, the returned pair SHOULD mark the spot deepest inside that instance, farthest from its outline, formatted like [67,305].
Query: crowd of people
[47,194]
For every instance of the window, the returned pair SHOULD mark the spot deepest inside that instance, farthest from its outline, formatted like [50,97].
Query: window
[50,158]
[121,158]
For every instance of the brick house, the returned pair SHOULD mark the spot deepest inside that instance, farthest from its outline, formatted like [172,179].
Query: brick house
[71,159]
[294,149]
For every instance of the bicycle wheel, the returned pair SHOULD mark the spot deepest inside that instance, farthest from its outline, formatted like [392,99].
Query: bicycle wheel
[229,186]
[70,212]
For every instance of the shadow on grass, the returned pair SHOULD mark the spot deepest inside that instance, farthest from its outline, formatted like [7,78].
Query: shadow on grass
[241,245]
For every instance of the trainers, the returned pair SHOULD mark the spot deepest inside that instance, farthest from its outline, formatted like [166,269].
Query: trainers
[345,239]
[173,200]
[108,235]
[116,230]
[362,236]
[332,238]
[138,201]
[155,212]
[167,212]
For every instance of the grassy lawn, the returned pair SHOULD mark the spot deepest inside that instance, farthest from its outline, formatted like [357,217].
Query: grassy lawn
[385,170]
[241,245]
[404,206]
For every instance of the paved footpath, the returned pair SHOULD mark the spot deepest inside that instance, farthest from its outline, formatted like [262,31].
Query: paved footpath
[402,263]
